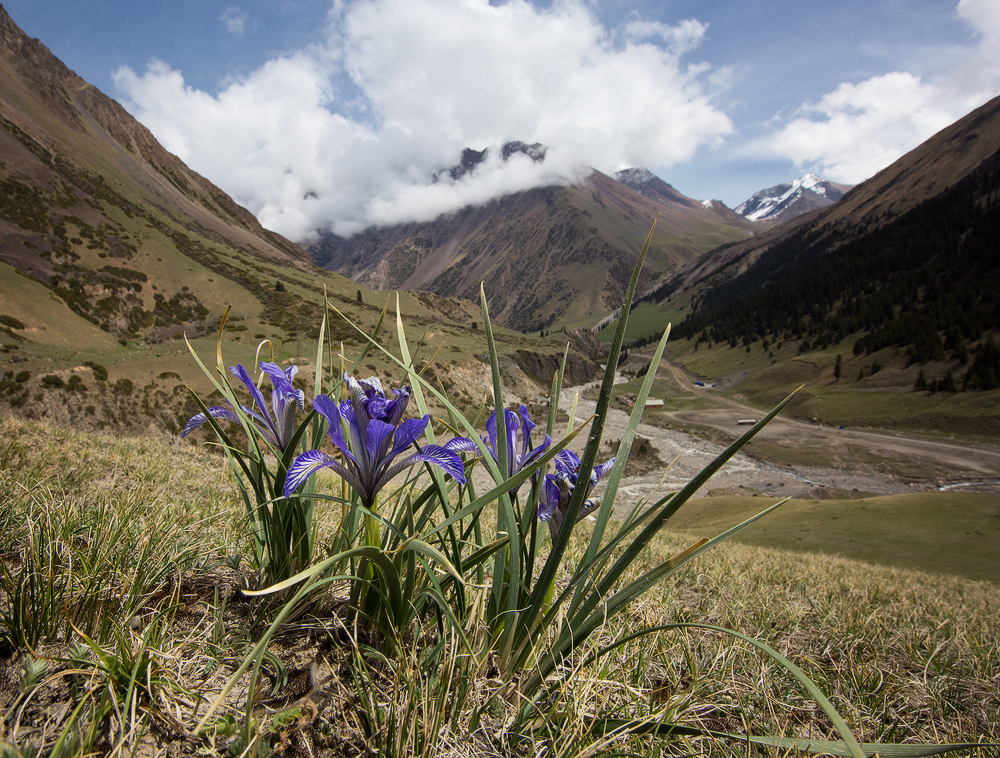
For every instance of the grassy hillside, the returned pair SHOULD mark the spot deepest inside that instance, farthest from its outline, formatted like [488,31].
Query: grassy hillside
[936,532]
[878,390]
[907,655]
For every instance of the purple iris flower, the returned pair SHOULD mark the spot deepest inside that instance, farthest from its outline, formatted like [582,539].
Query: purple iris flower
[558,489]
[520,453]
[277,425]
[378,434]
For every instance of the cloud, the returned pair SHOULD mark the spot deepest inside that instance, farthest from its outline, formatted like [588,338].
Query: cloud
[234,19]
[680,39]
[859,129]
[355,131]
[978,78]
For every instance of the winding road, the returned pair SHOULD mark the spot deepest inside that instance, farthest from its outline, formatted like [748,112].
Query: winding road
[868,462]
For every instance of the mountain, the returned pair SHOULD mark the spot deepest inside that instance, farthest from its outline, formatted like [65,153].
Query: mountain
[547,256]
[472,158]
[905,262]
[89,195]
[786,201]
[112,251]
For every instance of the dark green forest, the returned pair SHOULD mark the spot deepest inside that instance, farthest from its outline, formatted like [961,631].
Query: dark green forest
[927,281]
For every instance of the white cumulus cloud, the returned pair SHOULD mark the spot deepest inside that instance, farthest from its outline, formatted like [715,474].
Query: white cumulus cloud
[354,132]
[859,129]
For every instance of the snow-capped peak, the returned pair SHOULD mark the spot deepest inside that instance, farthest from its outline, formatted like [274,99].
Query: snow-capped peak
[813,182]
[784,201]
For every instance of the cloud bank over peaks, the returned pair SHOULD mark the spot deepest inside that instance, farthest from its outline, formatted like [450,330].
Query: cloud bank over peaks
[355,131]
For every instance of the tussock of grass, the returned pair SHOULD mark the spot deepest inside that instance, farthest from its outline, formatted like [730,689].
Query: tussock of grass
[144,536]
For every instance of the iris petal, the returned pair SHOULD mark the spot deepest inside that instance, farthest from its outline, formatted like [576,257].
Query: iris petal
[328,409]
[379,438]
[601,470]
[435,454]
[217,411]
[409,432]
[395,409]
[307,464]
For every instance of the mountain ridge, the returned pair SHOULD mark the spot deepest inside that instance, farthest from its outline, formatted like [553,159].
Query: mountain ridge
[86,110]
[114,257]
[576,244]
[787,200]
[903,268]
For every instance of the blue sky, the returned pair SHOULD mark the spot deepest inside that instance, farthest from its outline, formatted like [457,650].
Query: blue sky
[338,114]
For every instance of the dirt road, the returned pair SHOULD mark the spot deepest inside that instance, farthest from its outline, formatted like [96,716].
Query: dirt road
[965,461]
[851,460]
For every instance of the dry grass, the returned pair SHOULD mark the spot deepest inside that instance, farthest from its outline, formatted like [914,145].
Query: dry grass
[905,656]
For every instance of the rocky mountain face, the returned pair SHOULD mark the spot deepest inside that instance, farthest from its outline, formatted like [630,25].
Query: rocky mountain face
[790,199]
[546,256]
[472,158]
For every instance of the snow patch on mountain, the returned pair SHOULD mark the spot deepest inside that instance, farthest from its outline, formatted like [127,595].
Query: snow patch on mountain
[632,176]
[790,199]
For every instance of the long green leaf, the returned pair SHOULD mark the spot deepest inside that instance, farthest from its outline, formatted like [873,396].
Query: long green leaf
[604,727]
[666,508]
[547,575]
[580,627]
[614,478]
[419,546]
[507,566]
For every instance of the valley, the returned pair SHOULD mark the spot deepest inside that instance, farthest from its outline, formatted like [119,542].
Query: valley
[389,608]
[892,500]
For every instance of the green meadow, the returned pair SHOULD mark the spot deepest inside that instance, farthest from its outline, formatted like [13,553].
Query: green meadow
[136,620]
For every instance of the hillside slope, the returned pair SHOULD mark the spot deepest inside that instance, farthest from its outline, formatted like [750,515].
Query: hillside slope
[112,250]
[902,274]
[547,256]
[925,172]
[89,195]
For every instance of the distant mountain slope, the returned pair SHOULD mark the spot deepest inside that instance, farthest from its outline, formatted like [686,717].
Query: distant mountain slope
[546,256]
[908,258]
[118,229]
[790,199]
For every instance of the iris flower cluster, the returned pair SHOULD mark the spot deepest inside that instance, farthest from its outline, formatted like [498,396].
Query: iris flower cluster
[520,453]
[559,488]
[378,434]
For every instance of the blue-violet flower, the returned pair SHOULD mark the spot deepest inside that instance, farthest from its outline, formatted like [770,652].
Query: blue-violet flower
[520,453]
[378,434]
[558,489]
[277,425]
